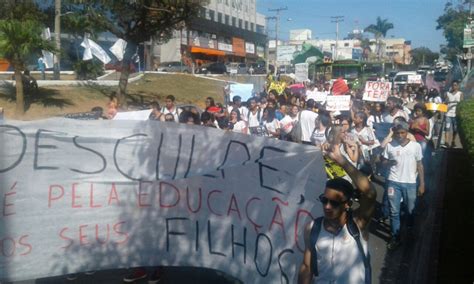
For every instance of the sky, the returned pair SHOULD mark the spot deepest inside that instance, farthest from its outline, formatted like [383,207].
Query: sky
[413,20]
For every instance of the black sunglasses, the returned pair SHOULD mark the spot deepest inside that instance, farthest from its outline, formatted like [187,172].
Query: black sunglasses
[324,200]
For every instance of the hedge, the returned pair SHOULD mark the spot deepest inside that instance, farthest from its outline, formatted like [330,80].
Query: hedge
[466,125]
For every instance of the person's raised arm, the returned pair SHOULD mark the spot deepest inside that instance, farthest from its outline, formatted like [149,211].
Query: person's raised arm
[367,190]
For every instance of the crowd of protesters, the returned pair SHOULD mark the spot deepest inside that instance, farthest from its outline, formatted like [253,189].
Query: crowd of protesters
[393,139]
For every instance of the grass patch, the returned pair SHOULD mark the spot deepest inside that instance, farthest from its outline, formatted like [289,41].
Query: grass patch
[60,100]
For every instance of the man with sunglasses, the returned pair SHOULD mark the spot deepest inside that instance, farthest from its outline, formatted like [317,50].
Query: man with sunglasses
[340,257]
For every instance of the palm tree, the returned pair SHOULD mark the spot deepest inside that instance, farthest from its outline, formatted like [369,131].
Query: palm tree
[379,30]
[19,39]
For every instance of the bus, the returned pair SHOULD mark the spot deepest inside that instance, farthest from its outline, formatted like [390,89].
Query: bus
[347,69]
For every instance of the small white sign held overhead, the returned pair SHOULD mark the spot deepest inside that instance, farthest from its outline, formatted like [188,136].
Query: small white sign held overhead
[338,103]
[376,91]
[414,79]
[301,72]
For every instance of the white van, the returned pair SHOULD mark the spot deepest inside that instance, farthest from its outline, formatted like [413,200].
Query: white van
[402,78]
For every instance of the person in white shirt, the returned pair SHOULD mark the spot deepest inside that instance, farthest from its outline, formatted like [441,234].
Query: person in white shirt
[288,122]
[170,108]
[335,256]
[307,120]
[237,103]
[271,126]
[393,110]
[323,121]
[403,157]
[452,99]
[254,118]
[236,124]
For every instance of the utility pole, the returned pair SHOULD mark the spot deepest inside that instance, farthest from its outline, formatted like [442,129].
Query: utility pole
[57,31]
[337,20]
[277,24]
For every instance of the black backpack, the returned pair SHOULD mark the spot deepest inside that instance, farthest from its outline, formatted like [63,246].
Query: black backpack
[355,233]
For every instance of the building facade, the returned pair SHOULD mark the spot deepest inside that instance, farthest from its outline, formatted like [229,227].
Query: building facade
[224,31]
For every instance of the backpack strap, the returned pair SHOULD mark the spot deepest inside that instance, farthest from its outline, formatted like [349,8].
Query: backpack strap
[313,237]
[355,233]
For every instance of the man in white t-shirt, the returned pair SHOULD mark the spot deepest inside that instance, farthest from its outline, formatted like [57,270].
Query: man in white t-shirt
[171,108]
[237,103]
[393,110]
[403,157]
[308,122]
[452,99]
[254,118]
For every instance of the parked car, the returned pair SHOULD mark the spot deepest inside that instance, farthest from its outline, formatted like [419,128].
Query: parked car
[212,68]
[174,66]
[237,68]
[259,68]
[286,69]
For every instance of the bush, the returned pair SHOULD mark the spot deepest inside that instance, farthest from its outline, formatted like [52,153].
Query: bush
[466,125]
[88,70]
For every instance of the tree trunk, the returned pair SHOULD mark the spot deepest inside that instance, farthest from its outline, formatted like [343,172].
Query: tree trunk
[125,73]
[20,99]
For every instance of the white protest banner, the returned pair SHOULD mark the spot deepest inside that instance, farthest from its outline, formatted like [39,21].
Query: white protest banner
[91,195]
[87,50]
[92,48]
[118,49]
[47,55]
[242,90]
[376,91]
[338,103]
[414,79]
[316,96]
[133,115]
[301,72]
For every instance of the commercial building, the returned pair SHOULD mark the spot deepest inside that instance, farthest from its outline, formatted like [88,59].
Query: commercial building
[224,31]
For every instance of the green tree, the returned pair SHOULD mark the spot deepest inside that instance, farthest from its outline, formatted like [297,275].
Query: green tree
[137,21]
[452,22]
[423,56]
[20,38]
[379,30]
[307,51]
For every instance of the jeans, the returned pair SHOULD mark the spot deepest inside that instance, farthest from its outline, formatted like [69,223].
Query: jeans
[395,191]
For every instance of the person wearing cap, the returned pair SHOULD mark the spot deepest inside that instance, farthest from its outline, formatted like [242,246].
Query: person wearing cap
[403,158]
[338,256]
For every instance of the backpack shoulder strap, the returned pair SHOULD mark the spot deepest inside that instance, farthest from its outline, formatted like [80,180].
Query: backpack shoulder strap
[355,233]
[313,237]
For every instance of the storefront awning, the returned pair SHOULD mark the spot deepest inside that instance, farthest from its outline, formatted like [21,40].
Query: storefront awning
[208,51]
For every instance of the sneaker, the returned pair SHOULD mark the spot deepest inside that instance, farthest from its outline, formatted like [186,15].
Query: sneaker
[382,220]
[154,278]
[71,277]
[136,274]
[393,244]
[92,272]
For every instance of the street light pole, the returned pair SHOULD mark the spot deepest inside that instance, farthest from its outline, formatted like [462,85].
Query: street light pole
[277,24]
[337,20]
[57,31]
